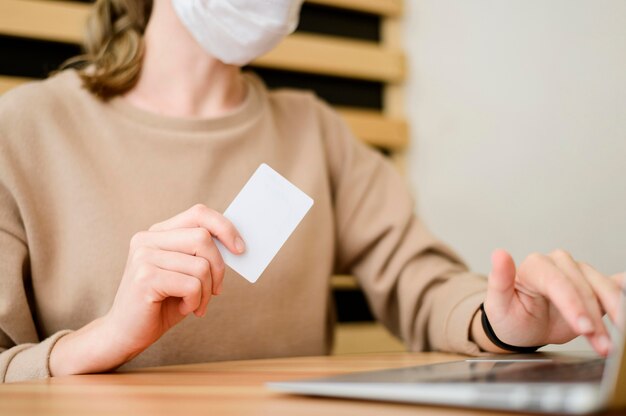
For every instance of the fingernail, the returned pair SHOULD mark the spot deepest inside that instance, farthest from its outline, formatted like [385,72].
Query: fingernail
[604,343]
[584,325]
[240,246]
[219,289]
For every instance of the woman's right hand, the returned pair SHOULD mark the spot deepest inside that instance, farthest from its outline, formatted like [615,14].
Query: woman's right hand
[173,269]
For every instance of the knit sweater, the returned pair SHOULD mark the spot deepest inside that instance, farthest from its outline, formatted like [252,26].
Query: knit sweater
[79,176]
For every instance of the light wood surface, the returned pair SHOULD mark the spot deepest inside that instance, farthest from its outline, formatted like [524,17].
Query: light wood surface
[63,21]
[364,337]
[377,129]
[7,83]
[394,101]
[227,388]
[333,56]
[344,282]
[380,7]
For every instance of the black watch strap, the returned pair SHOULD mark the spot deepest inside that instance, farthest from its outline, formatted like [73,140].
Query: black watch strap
[494,338]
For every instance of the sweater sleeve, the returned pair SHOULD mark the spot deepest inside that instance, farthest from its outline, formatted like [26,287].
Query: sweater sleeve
[22,356]
[415,285]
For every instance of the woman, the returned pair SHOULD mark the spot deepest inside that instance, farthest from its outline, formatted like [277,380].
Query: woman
[161,120]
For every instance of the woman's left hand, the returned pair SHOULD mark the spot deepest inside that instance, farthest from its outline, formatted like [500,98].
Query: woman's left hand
[548,299]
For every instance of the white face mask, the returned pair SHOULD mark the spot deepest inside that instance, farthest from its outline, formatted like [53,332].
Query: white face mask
[238,31]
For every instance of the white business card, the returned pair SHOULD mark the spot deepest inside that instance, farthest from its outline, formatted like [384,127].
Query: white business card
[266,212]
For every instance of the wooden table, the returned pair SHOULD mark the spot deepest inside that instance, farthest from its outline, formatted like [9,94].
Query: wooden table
[224,388]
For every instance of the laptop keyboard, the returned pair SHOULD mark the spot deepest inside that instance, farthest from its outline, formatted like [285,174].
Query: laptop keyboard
[519,372]
[488,371]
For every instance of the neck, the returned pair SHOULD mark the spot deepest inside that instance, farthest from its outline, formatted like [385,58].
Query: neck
[178,77]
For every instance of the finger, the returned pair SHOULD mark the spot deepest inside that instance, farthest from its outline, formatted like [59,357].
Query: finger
[620,280]
[192,241]
[501,283]
[211,220]
[193,266]
[207,249]
[599,337]
[544,276]
[165,284]
[606,289]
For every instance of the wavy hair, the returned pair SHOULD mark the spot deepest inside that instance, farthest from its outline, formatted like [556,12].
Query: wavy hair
[114,46]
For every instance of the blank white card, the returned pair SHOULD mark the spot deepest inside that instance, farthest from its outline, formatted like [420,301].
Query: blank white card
[266,212]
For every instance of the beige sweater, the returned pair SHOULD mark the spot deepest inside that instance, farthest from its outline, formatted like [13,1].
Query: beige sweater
[78,177]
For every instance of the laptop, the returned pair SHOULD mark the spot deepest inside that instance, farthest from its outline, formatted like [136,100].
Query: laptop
[541,383]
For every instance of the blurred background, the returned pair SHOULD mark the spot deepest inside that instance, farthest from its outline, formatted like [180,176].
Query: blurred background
[518,115]
[518,120]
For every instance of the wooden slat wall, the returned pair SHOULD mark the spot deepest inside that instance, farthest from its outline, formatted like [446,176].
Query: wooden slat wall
[43,19]
[376,129]
[62,20]
[394,99]
[388,8]
[6,83]
[345,58]
[370,126]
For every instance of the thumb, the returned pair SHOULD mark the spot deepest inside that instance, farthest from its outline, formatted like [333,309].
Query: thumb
[501,284]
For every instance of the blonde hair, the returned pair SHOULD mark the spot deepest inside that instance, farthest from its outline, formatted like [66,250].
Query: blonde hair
[114,46]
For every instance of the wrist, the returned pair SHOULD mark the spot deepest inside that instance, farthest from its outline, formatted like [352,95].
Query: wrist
[91,349]
[478,335]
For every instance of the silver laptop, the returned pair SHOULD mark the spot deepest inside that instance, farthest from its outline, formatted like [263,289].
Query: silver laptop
[541,383]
